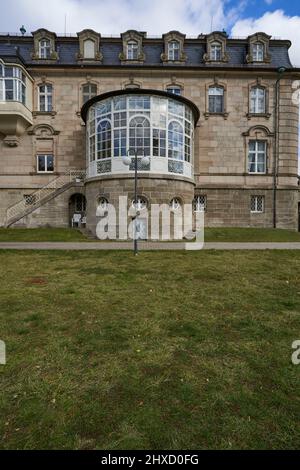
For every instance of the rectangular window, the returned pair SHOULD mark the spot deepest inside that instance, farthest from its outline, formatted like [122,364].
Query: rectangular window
[88,91]
[216,100]
[258,52]
[45,98]
[257,204]
[258,100]
[257,156]
[200,203]
[45,163]
[29,199]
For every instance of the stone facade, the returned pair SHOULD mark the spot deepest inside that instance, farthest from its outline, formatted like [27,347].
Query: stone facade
[220,140]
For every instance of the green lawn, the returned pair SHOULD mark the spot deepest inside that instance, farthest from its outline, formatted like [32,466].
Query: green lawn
[41,235]
[211,235]
[166,350]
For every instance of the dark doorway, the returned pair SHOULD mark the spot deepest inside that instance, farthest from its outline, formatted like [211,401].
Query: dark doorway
[77,210]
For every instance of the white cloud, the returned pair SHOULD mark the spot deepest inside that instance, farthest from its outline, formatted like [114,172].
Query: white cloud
[277,24]
[114,16]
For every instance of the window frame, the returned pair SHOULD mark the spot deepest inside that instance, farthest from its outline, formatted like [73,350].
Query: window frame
[89,94]
[255,198]
[256,153]
[135,49]
[46,94]
[173,52]
[197,205]
[45,155]
[214,56]
[255,53]
[216,87]
[255,110]
[44,49]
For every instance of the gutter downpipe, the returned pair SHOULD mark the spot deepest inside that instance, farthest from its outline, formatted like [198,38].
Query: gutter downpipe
[280,71]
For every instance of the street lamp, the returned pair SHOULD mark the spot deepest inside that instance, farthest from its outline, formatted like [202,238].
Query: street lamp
[127,160]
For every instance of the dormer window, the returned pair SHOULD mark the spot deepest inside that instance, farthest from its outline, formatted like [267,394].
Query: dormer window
[258,48]
[258,52]
[44,49]
[173,47]
[89,49]
[173,50]
[216,51]
[89,46]
[44,45]
[132,50]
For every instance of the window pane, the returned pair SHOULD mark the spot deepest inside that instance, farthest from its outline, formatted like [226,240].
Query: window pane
[41,163]
[50,163]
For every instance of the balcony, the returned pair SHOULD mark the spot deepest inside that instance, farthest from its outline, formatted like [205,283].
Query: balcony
[15,118]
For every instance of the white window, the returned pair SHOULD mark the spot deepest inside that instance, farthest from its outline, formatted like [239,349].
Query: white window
[257,156]
[140,203]
[216,51]
[45,98]
[174,89]
[257,204]
[103,203]
[45,163]
[89,49]
[258,100]
[45,49]
[216,99]
[173,50]
[132,50]
[175,204]
[88,91]
[199,203]
[12,84]
[258,52]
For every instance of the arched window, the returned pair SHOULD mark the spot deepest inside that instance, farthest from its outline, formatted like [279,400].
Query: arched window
[132,50]
[216,99]
[173,50]
[88,91]
[89,49]
[215,51]
[140,203]
[175,140]
[45,98]
[175,204]
[258,52]
[104,139]
[44,49]
[258,100]
[103,203]
[139,134]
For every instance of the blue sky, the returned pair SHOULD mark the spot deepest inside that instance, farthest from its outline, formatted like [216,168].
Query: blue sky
[276,17]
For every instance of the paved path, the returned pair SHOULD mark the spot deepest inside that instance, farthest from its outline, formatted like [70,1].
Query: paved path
[142,246]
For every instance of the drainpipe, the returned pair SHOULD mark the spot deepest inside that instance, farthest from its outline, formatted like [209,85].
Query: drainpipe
[280,71]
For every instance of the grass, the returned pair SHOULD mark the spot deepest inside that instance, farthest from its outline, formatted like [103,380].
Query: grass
[161,351]
[41,235]
[211,235]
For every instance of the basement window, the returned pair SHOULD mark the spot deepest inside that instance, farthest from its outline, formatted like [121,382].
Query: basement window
[257,204]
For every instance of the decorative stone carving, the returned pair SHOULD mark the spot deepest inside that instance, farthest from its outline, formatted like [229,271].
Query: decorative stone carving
[38,35]
[219,37]
[261,38]
[132,35]
[173,36]
[89,35]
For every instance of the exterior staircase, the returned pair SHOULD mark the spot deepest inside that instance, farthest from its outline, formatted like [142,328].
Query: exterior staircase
[42,195]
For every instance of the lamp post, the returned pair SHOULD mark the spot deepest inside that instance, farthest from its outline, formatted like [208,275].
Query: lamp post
[280,72]
[127,160]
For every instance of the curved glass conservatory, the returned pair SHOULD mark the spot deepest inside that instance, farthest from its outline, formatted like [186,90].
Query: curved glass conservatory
[152,123]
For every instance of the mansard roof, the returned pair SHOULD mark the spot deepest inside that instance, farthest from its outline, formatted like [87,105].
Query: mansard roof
[21,47]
